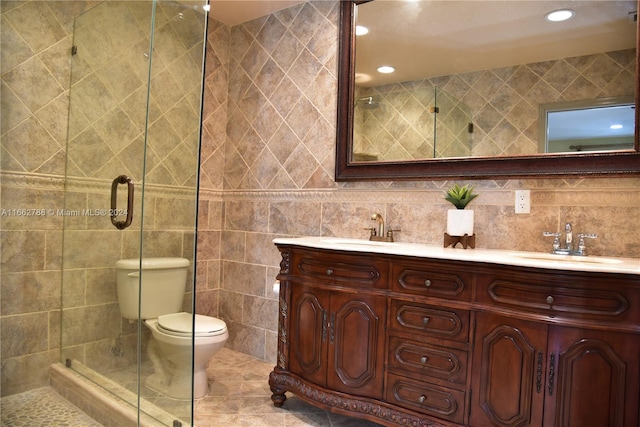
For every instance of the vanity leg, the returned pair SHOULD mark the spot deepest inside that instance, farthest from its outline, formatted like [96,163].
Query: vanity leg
[278,397]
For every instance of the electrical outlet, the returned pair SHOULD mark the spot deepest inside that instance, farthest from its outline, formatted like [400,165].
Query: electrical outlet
[523,201]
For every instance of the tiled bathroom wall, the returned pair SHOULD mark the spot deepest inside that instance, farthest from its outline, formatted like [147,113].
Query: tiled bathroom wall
[267,167]
[55,305]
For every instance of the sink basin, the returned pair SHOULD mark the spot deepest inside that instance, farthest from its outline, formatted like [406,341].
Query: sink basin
[570,258]
[354,242]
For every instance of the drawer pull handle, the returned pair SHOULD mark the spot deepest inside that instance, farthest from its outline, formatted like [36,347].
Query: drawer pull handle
[424,359]
[329,272]
[422,399]
[550,300]
[427,283]
[425,320]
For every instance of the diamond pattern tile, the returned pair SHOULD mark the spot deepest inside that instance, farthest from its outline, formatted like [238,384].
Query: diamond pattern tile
[277,95]
[517,90]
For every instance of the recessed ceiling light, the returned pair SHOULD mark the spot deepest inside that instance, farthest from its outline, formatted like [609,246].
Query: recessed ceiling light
[559,15]
[361,30]
[386,69]
[616,126]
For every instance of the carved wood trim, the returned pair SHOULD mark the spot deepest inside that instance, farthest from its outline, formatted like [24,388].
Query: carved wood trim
[285,263]
[336,402]
[283,342]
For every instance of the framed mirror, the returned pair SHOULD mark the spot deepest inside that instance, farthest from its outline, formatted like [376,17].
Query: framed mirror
[466,103]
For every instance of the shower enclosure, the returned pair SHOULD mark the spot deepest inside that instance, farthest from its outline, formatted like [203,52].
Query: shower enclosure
[131,182]
[410,121]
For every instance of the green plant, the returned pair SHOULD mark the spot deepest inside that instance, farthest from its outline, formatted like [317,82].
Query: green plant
[460,196]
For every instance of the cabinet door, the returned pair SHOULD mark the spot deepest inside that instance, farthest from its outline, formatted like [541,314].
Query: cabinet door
[508,372]
[356,344]
[596,379]
[308,333]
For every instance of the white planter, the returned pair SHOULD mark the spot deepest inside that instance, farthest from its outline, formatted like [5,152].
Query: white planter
[459,222]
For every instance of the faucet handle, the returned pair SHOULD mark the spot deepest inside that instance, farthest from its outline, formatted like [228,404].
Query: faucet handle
[587,236]
[556,240]
[391,231]
[371,230]
[582,248]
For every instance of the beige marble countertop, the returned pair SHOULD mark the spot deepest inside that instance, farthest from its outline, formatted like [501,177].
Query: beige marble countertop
[516,258]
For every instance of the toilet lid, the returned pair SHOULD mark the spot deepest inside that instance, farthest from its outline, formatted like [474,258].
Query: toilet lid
[182,323]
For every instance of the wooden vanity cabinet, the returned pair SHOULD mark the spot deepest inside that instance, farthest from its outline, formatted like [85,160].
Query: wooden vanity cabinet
[436,343]
[533,374]
[337,339]
[337,325]
[583,344]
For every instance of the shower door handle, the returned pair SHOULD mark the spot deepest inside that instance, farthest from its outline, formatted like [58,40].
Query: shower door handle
[121,225]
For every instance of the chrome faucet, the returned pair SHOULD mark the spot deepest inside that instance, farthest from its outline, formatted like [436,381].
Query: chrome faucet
[568,241]
[568,237]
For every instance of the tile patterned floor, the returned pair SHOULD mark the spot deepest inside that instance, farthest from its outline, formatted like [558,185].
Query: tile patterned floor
[239,396]
[42,407]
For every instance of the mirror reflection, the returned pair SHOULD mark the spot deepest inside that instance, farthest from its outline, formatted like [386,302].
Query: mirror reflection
[578,126]
[491,78]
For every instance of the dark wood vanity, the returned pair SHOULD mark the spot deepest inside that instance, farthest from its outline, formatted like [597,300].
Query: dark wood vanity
[422,341]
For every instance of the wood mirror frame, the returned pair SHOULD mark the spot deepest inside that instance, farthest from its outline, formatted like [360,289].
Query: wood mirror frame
[530,166]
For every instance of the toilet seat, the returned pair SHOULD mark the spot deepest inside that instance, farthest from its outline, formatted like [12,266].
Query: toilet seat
[181,324]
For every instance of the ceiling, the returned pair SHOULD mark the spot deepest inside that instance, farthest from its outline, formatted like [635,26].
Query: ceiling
[233,12]
[443,37]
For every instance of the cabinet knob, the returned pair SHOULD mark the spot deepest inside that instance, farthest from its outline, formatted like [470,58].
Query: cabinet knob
[424,359]
[329,272]
[427,283]
[550,300]
[421,399]
[425,320]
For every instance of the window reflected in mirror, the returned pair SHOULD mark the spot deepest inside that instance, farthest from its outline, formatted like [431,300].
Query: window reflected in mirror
[600,125]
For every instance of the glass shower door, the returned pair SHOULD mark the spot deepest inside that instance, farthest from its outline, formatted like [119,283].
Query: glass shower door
[131,184]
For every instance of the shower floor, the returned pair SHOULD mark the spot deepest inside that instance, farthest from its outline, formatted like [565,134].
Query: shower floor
[42,407]
[239,396]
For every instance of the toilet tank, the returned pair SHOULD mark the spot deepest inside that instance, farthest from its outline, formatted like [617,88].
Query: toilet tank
[163,283]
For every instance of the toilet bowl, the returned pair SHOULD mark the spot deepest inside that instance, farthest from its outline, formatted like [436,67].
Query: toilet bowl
[173,336]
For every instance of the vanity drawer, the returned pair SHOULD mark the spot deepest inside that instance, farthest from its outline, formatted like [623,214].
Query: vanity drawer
[430,321]
[431,279]
[426,398]
[428,360]
[341,268]
[562,295]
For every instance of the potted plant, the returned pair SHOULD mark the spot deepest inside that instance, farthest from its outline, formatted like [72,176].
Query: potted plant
[459,220]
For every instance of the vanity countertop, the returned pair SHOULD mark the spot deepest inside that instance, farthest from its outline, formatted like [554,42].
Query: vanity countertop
[516,258]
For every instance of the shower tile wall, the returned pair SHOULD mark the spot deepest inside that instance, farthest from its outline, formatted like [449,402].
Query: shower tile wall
[106,134]
[210,211]
[275,129]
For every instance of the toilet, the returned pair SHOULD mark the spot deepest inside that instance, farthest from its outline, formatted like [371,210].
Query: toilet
[162,291]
